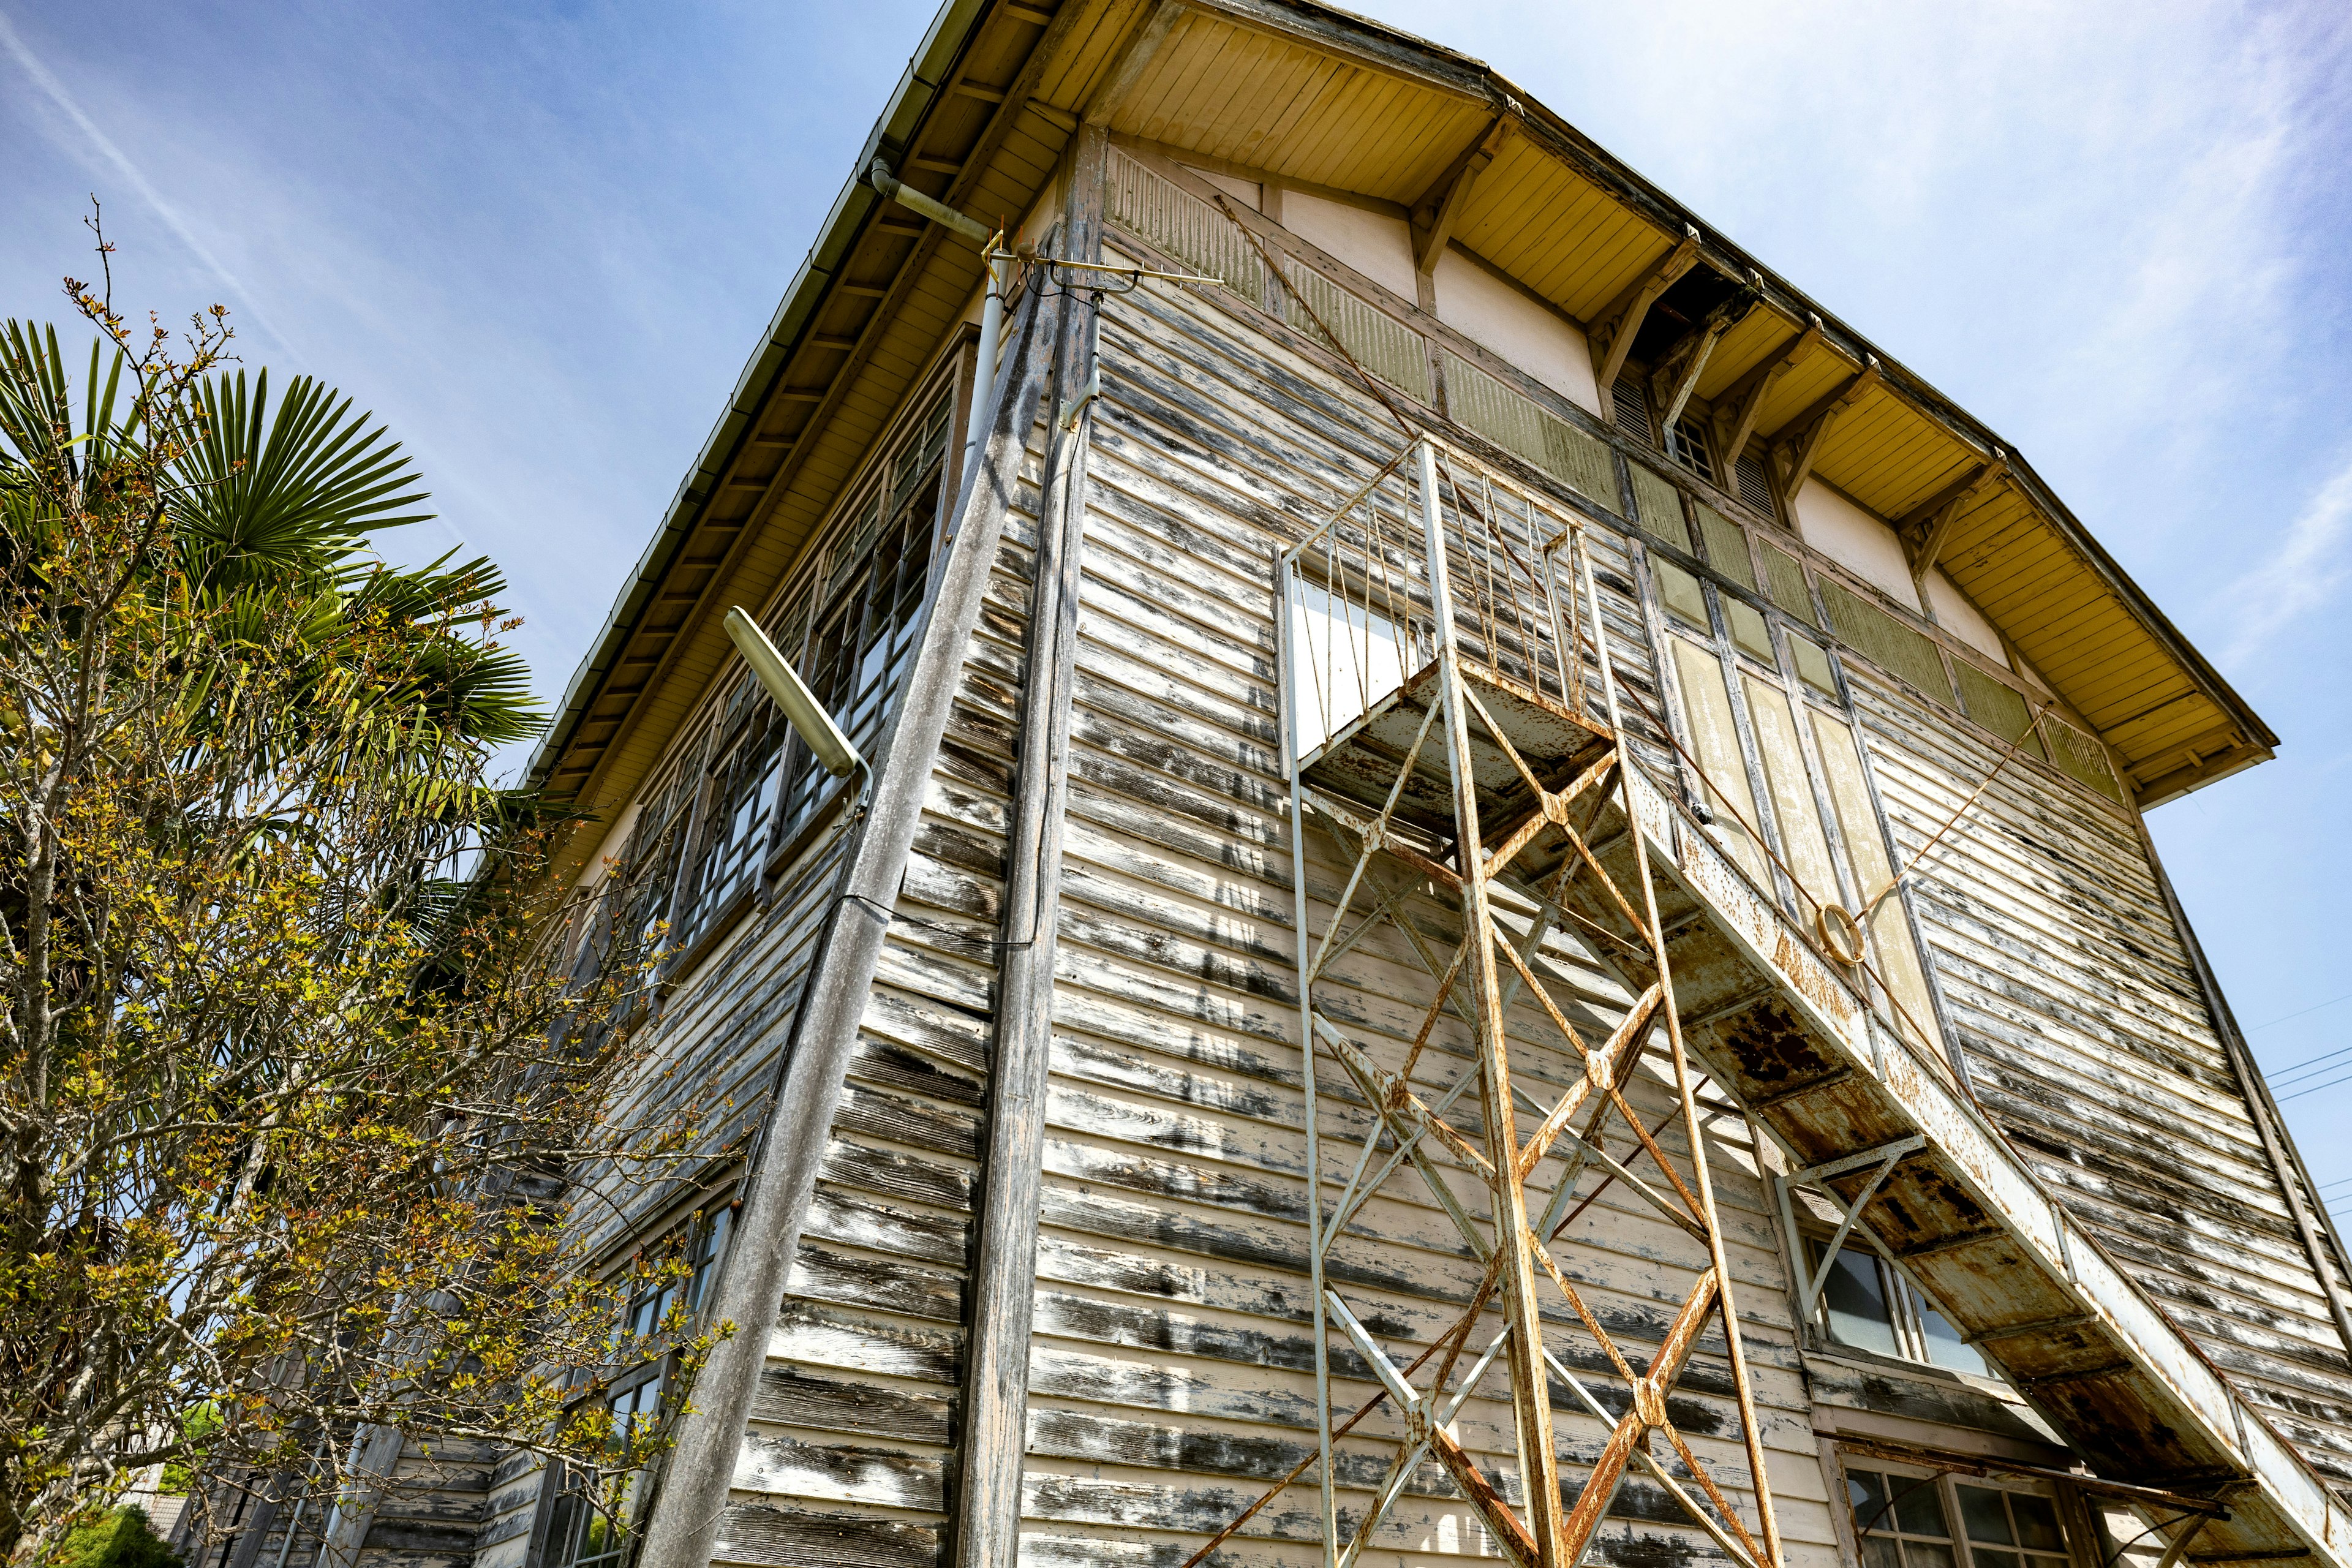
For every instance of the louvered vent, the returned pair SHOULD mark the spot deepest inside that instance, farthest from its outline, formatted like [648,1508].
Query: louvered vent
[1886,641]
[2080,756]
[1748,475]
[1183,224]
[1995,706]
[1375,339]
[1517,424]
[1628,410]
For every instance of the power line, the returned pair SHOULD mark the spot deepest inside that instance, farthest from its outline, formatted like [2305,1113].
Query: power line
[2316,1088]
[2320,1063]
[2314,1007]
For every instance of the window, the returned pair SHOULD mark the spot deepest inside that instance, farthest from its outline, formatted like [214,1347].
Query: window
[1779,757]
[594,1515]
[741,785]
[1686,445]
[877,579]
[1868,1305]
[1903,1518]
[849,623]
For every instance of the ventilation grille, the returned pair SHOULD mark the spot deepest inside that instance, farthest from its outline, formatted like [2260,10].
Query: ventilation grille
[2081,757]
[1726,547]
[1784,579]
[1183,224]
[1886,642]
[1995,706]
[1478,402]
[1747,476]
[1375,339]
[1689,447]
[1659,506]
[1628,410]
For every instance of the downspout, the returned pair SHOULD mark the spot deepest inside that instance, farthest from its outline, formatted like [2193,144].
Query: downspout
[992,309]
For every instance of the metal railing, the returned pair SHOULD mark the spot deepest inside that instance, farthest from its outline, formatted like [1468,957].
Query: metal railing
[1360,613]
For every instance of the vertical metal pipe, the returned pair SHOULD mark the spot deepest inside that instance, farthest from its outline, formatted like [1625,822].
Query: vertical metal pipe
[1285,664]
[992,326]
[1531,1390]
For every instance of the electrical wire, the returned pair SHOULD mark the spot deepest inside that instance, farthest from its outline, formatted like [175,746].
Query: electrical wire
[2314,1007]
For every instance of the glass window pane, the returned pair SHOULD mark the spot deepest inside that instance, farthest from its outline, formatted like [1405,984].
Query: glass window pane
[1866,1489]
[1919,1554]
[1880,1552]
[1859,1313]
[1986,1557]
[1984,1517]
[1944,1347]
[1919,1508]
[2037,1522]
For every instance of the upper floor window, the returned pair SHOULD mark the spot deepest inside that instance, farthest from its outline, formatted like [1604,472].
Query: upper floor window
[847,622]
[861,642]
[1686,445]
[1867,1304]
[594,1515]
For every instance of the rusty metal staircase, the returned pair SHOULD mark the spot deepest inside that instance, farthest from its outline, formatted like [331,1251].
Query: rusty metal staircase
[1455,728]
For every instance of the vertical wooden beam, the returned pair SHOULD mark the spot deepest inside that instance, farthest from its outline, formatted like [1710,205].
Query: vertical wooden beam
[986,1508]
[699,1469]
[1160,19]
[1530,1386]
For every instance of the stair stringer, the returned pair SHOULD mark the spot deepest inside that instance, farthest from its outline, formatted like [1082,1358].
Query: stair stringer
[2070,1331]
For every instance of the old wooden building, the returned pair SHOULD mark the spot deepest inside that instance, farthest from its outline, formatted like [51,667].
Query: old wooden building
[1501,907]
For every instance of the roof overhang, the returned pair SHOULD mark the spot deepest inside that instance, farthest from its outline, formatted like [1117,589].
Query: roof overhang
[1319,98]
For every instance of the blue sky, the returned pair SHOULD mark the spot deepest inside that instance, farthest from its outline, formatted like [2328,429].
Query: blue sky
[539,241]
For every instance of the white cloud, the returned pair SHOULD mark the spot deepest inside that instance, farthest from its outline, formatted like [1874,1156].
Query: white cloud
[2305,573]
[88,140]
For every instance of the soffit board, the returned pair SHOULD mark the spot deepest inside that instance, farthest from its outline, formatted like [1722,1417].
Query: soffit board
[1559,215]
[864,318]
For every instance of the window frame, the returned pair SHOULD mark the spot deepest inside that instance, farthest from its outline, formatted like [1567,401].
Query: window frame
[1784,671]
[1946,1485]
[735,713]
[1908,1303]
[706,1233]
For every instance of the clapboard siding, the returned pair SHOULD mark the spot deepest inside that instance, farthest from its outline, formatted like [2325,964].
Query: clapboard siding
[846,1460]
[2089,1041]
[1172,1366]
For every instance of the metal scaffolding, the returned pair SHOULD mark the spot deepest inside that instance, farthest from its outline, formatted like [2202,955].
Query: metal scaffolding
[1453,723]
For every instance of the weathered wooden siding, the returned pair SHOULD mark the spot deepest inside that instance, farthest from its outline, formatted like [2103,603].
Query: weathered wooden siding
[847,1458]
[2089,1043]
[1171,1369]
